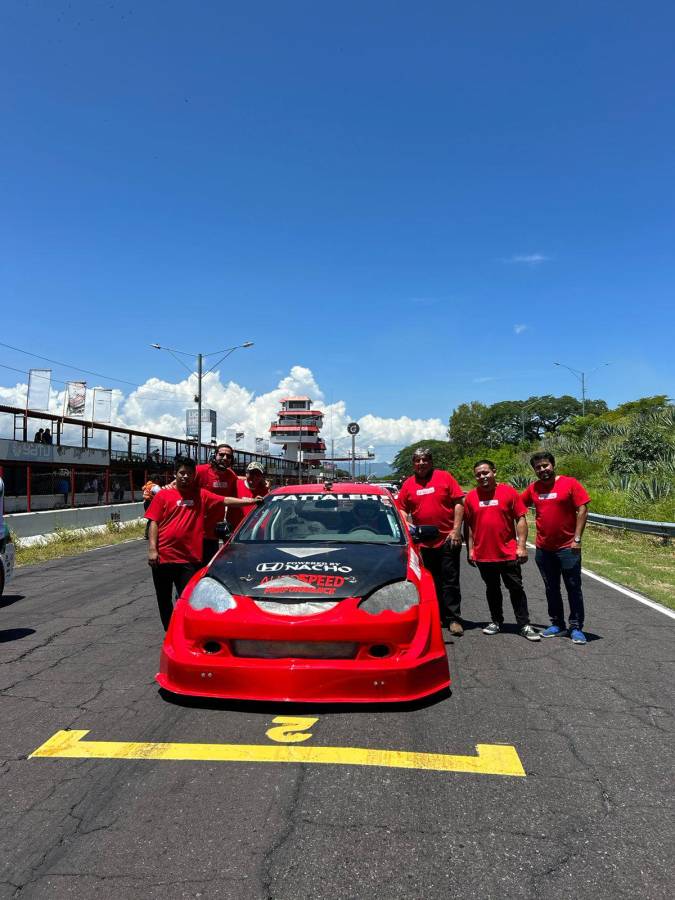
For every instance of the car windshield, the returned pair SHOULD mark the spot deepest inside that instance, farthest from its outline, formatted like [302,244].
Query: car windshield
[319,518]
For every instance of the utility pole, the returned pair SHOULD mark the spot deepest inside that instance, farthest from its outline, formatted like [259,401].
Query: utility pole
[522,417]
[200,360]
[200,374]
[582,378]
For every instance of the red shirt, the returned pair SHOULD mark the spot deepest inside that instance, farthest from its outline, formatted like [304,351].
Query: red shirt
[431,502]
[236,514]
[180,518]
[491,516]
[222,482]
[556,510]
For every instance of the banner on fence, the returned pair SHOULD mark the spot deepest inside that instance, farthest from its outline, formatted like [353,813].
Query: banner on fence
[76,394]
[102,405]
[39,383]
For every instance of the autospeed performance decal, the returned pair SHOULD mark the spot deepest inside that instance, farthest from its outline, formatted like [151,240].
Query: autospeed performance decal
[302,583]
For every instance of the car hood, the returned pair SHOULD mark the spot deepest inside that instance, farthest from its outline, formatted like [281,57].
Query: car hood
[302,572]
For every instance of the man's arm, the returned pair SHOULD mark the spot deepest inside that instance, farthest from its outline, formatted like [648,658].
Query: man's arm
[234,501]
[521,532]
[242,501]
[153,535]
[401,504]
[582,516]
[468,537]
[456,533]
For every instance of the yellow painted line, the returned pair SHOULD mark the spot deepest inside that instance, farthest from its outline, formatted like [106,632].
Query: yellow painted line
[490,759]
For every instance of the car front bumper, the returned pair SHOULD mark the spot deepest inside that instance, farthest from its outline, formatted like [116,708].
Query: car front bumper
[415,667]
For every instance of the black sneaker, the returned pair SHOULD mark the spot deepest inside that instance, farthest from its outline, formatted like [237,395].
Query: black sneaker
[530,633]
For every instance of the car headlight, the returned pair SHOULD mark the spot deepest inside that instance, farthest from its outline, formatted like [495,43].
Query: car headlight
[210,594]
[397,597]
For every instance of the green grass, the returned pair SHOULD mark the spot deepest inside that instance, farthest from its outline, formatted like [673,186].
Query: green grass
[70,542]
[637,561]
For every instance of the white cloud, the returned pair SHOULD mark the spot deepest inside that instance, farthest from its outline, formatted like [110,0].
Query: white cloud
[530,259]
[519,329]
[482,379]
[159,406]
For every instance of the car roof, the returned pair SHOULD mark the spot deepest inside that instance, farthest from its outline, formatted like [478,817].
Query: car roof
[339,487]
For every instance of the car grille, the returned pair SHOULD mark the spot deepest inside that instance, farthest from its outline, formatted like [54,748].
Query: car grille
[311,608]
[298,649]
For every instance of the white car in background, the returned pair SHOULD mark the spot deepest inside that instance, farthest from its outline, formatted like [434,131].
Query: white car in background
[388,486]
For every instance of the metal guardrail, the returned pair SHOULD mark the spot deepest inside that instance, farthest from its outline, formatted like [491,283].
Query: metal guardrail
[662,529]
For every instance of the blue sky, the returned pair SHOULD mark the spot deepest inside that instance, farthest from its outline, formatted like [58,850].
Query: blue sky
[419,203]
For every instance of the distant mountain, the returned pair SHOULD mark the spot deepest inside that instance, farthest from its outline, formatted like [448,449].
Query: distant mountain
[379,468]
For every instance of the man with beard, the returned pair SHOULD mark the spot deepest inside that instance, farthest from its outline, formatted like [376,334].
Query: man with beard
[561,507]
[218,477]
[433,497]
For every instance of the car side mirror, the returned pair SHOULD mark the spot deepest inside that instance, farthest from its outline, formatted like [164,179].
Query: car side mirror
[423,533]
[223,530]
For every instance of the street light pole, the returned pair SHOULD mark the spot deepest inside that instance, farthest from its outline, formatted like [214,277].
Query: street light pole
[522,417]
[582,378]
[200,375]
[200,361]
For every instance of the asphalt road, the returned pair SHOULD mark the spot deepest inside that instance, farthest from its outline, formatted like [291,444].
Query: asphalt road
[593,727]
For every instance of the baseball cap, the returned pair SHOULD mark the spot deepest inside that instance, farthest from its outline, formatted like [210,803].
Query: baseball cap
[254,466]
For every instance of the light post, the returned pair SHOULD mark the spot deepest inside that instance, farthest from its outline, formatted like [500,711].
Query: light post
[200,375]
[582,376]
[522,417]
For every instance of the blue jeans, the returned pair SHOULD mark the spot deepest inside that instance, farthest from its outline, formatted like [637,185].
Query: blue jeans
[552,564]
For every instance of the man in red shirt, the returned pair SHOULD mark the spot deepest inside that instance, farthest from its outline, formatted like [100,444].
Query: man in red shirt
[497,544]
[433,497]
[561,507]
[253,485]
[176,517]
[218,477]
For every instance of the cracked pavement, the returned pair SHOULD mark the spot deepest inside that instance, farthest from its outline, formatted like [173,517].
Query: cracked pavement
[593,725]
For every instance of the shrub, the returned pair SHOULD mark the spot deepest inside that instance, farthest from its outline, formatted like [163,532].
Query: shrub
[650,490]
[581,467]
[641,451]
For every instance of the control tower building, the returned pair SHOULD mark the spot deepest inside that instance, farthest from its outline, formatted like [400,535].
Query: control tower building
[298,428]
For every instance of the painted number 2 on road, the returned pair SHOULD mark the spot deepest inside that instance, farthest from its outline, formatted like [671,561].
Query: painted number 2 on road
[291,729]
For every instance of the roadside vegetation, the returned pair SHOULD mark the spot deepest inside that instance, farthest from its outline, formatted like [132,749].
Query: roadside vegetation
[71,541]
[638,561]
[625,457]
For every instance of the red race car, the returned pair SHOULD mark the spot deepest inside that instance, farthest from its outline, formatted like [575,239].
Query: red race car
[320,595]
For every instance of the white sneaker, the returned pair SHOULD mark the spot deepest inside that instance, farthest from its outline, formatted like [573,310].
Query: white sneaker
[492,628]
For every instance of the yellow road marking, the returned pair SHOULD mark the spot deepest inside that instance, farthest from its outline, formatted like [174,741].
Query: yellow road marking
[491,759]
[289,729]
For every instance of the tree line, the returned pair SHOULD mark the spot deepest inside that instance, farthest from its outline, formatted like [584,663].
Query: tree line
[626,455]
